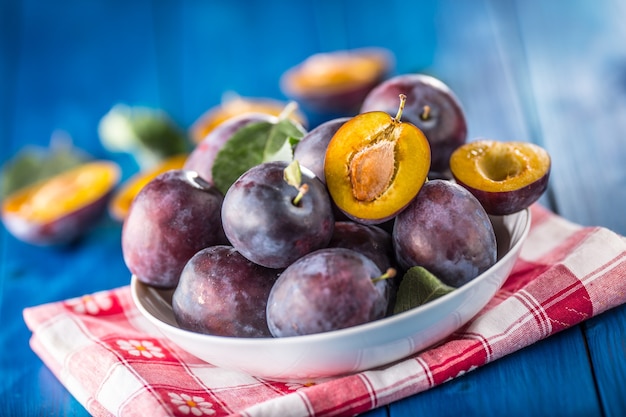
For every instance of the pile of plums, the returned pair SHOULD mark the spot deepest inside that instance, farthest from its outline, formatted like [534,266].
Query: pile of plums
[320,242]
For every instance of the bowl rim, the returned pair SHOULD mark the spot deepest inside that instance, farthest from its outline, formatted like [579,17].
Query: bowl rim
[139,289]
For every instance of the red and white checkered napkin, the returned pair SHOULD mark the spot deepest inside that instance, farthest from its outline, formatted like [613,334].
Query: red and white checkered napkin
[115,363]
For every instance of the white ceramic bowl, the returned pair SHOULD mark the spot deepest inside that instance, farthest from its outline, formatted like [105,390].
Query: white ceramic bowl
[349,350]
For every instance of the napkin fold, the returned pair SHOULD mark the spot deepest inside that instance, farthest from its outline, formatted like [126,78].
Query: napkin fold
[117,364]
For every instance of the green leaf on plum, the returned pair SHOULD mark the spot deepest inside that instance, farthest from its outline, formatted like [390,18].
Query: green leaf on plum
[293,175]
[419,286]
[252,145]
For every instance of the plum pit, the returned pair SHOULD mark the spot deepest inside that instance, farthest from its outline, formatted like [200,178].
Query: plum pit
[371,170]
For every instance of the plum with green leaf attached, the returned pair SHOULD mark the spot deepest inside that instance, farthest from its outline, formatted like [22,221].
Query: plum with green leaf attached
[277,212]
[243,142]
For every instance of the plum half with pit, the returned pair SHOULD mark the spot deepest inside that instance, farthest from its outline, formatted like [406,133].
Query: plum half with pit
[447,231]
[431,106]
[505,177]
[172,217]
[273,221]
[329,289]
[222,293]
[375,165]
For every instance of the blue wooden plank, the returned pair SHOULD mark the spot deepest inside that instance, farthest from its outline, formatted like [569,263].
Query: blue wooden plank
[409,29]
[606,337]
[77,59]
[535,381]
[240,52]
[576,64]
[9,39]
[73,61]
[168,24]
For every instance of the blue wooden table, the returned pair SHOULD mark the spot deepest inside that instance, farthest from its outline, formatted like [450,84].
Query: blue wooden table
[553,73]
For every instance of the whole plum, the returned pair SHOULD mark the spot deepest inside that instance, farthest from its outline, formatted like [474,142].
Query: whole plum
[447,231]
[431,106]
[173,216]
[222,293]
[329,289]
[369,240]
[202,157]
[264,222]
[311,150]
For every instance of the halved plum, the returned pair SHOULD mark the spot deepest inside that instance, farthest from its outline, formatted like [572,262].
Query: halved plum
[59,209]
[375,165]
[505,177]
[338,81]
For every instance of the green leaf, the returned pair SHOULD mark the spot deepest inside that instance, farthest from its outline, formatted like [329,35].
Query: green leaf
[280,134]
[252,145]
[157,132]
[419,286]
[149,135]
[32,164]
[293,175]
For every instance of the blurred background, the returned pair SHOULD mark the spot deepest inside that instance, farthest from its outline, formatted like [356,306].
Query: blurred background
[523,70]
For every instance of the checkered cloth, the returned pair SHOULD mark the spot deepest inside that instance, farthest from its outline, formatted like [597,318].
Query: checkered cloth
[116,364]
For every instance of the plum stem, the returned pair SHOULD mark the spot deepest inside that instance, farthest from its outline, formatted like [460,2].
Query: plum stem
[425,112]
[293,176]
[401,107]
[389,273]
[301,192]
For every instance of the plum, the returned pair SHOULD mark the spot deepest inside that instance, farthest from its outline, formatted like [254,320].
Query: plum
[447,231]
[223,294]
[58,210]
[336,82]
[431,106]
[375,165]
[123,197]
[202,157]
[369,240]
[270,221]
[234,105]
[172,217]
[311,150]
[329,289]
[505,177]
